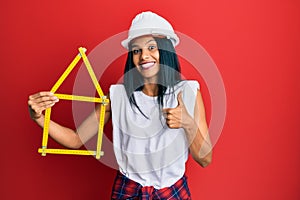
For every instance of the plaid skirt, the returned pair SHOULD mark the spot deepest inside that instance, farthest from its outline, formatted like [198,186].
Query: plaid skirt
[124,188]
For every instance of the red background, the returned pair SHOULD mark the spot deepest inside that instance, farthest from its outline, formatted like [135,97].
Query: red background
[255,45]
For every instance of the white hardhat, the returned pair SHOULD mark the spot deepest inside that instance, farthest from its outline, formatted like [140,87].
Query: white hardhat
[149,23]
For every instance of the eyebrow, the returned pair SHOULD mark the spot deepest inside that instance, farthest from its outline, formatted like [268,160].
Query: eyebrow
[135,45]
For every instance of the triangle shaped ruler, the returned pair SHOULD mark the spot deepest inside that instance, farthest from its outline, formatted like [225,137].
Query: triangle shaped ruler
[102,100]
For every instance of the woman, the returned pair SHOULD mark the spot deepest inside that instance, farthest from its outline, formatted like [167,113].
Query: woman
[157,117]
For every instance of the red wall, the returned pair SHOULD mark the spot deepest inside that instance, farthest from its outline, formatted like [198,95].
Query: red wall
[255,45]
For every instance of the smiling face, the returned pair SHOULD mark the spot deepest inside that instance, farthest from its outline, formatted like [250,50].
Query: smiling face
[146,57]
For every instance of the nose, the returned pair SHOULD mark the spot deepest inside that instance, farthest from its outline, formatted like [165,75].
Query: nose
[145,54]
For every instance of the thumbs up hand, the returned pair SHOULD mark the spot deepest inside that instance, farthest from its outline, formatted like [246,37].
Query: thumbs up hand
[177,117]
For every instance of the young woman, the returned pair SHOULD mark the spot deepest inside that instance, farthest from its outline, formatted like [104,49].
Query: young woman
[158,119]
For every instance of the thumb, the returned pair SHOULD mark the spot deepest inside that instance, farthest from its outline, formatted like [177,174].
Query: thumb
[179,98]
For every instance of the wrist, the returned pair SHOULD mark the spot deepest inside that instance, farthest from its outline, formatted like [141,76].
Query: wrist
[39,120]
[189,125]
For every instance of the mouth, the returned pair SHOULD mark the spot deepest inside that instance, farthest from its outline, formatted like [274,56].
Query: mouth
[147,65]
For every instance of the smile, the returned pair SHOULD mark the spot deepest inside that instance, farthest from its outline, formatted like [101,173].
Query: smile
[147,65]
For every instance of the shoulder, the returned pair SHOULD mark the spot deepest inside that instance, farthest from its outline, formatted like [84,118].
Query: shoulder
[193,83]
[188,84]
[116,90]
[116,86]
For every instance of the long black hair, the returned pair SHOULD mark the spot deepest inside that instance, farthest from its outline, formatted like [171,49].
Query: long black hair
[168,75]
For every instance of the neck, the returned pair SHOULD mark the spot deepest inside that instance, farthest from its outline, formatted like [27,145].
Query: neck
[150,89]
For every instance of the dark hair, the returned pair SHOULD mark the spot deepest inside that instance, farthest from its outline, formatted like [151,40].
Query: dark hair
[168,75]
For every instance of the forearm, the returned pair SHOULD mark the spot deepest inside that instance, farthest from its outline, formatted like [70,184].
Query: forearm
[63,135]
[199,142]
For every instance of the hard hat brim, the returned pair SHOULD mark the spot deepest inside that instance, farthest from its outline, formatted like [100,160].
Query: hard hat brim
[150,31]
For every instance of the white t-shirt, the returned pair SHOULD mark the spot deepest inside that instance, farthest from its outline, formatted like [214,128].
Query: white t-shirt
[146,149]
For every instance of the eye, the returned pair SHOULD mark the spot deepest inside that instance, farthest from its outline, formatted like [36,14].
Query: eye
[136,51]
[152,47]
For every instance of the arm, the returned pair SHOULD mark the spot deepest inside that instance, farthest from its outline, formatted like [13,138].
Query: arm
[197,133]
[196,129]
[67,137]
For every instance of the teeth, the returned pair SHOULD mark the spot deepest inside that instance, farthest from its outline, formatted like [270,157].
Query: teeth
[147,65]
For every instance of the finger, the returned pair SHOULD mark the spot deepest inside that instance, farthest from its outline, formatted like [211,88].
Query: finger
[173,117]
[41,99]
[47,99]
[173,125]
[47,104]
[169,122]
[41,94]
[41,104]
[179,98]
[39,107]
[166,110]
[171,113]
[164,114]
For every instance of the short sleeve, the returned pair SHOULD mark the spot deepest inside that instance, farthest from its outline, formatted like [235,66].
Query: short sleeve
[189,95]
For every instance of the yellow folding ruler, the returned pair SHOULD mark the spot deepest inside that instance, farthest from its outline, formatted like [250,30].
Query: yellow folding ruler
[102,100]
